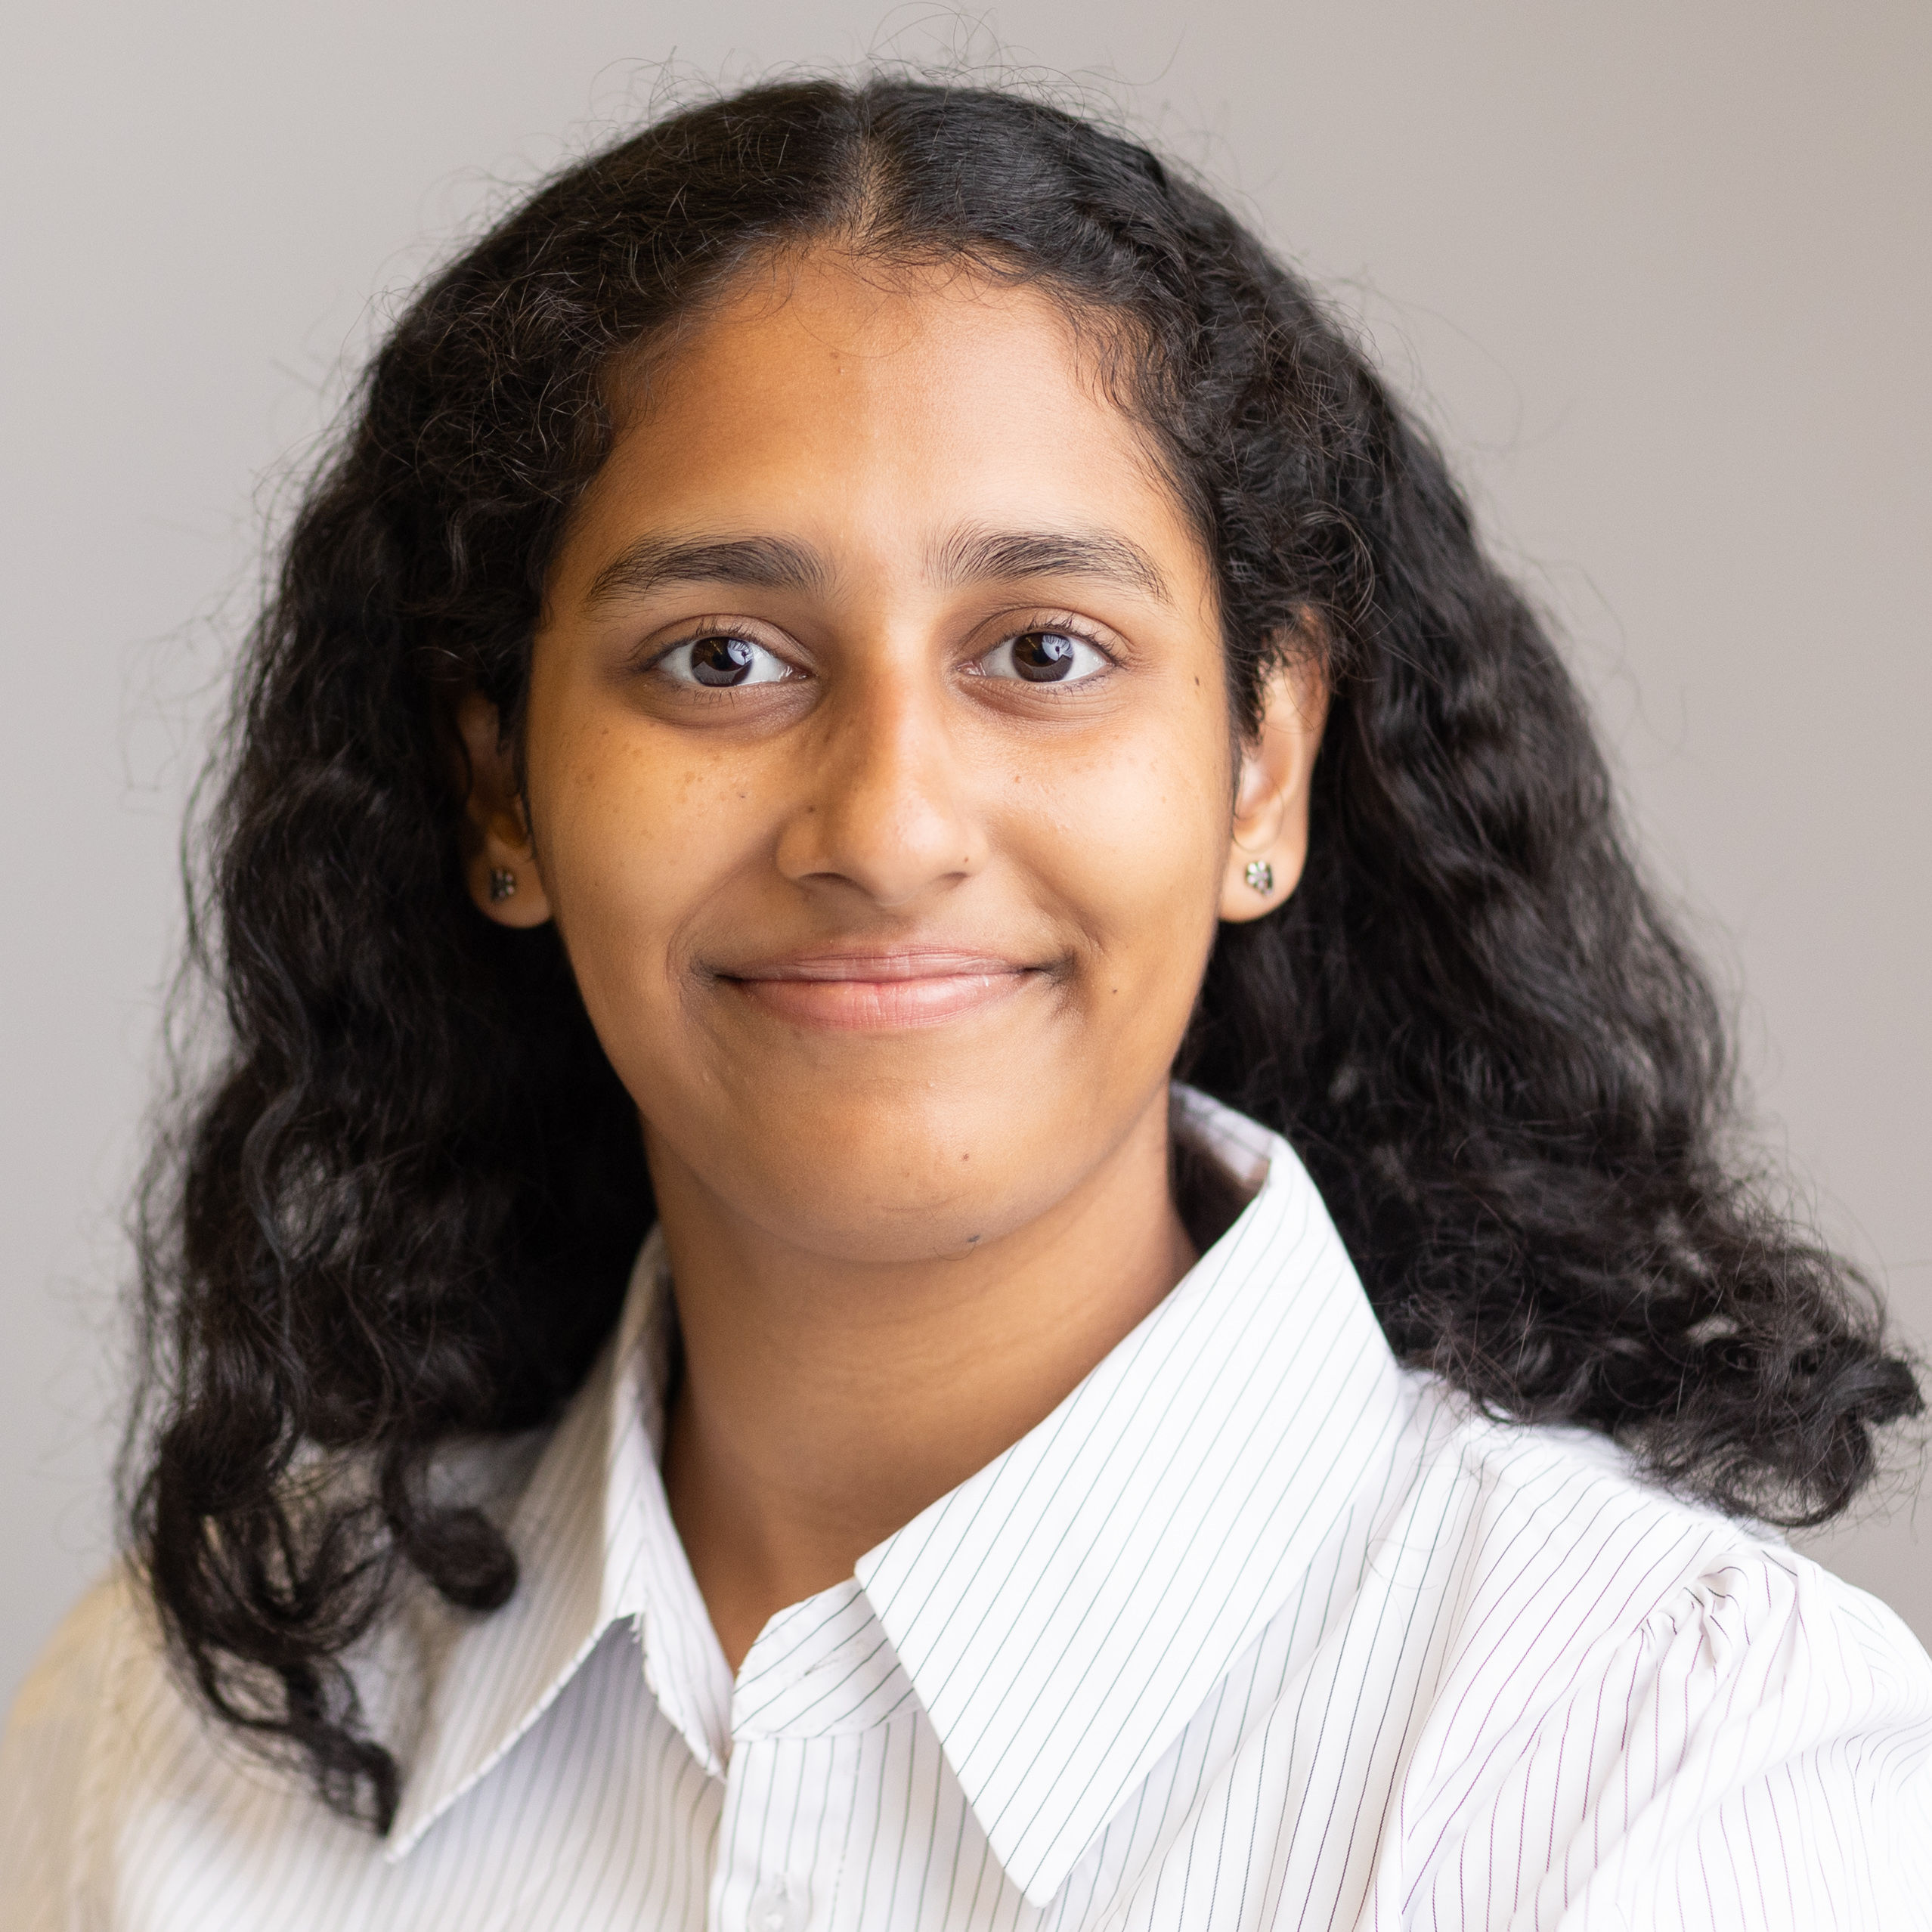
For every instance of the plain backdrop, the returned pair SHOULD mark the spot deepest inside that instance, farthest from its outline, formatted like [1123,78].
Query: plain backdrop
[1658,273]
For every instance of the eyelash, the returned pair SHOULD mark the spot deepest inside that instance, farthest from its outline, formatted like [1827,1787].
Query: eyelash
[698,634]
[1055,623]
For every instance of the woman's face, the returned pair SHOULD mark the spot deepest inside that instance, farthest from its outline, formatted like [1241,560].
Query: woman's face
[878,766]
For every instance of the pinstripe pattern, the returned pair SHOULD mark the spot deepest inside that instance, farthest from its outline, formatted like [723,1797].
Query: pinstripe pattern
[1255,1630]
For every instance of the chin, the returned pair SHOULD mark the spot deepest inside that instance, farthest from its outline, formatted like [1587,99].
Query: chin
[884,1192]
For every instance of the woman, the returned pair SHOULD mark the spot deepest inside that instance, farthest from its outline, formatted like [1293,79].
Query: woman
[702,1371]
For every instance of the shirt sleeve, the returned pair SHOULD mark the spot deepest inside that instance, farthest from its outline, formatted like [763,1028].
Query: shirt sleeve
[1754,1755]
[47,1755]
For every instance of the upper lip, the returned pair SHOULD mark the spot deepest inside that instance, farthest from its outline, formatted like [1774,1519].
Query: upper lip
[851,961]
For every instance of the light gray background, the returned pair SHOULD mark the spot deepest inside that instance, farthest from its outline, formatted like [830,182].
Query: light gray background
[1659,273]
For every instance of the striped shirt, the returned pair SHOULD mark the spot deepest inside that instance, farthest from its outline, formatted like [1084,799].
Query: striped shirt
[1257,1628]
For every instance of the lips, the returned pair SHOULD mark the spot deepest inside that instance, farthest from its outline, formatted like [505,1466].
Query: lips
[852,992]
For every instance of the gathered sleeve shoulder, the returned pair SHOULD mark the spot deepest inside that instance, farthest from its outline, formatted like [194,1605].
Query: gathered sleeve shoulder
[1755,1752]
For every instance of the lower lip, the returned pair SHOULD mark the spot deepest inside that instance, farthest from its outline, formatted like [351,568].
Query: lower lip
[881,1005]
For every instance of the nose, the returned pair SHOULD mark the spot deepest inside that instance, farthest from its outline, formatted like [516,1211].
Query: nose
[886,809]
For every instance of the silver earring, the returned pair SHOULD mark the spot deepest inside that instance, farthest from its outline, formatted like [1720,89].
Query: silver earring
[502,884]
[1260,874]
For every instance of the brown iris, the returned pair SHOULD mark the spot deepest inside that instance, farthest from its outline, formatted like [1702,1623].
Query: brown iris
[1042,656]
[721,660]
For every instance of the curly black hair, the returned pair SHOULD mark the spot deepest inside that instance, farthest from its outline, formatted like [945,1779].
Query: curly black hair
[403,1210]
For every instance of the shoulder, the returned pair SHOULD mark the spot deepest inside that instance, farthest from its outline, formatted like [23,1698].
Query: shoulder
[1645,1688]
[72,1713]
[1569,1516]
[114,1780]
[81,1671]
[1555,1549]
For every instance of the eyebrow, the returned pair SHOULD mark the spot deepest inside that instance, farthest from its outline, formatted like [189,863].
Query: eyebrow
[761,563]
[977,556]
[970,555]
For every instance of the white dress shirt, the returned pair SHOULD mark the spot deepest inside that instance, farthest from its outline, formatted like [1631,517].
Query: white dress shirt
[1255,1630]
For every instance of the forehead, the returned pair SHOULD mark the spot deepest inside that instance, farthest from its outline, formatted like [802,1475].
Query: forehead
[866,409]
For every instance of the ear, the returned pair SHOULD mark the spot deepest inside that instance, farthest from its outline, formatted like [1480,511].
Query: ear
[500,865]
[1269,844]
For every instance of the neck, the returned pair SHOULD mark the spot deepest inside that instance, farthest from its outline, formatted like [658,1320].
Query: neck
[823,1403]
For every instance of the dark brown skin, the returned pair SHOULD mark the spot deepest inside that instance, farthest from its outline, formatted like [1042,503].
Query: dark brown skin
[892,947]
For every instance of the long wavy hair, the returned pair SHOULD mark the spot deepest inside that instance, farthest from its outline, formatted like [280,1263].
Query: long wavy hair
[402,1209]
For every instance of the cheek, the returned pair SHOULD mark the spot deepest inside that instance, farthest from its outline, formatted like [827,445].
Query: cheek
[1132,838]
[635,837]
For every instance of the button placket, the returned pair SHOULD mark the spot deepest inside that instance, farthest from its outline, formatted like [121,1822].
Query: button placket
[780,1903]
[799,1714]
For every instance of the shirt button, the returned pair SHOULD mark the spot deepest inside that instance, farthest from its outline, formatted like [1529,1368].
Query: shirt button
[778,1904]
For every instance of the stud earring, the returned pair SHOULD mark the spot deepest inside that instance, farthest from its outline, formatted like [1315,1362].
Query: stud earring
[1260,874]
[502,884]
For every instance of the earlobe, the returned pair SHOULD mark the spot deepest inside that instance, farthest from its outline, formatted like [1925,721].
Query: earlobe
[1268,841]
[499,858]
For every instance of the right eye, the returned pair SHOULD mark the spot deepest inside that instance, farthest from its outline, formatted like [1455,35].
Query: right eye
[723,660]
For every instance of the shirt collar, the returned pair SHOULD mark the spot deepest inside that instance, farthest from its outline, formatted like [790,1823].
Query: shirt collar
[595,1545]
[1063,1613]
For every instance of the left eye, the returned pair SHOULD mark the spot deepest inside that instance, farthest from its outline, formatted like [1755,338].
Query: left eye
[1044,657]
[723,660]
